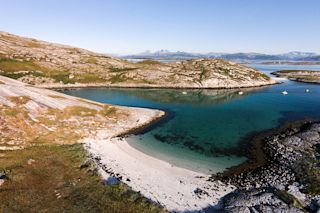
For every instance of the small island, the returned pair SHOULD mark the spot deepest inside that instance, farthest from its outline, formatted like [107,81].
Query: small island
[307,76]
[51,65]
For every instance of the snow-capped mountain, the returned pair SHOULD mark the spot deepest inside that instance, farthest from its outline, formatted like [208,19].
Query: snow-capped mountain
[166,54]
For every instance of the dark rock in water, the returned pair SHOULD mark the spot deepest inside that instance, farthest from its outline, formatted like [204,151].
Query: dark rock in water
[193,147]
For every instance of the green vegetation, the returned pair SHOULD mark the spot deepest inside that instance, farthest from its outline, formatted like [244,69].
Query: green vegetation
[14,65]
[92,60]
[87,78]
[12,112]
[309,174]
[108,111]
[52,178]
[308,78]
[70,111]
[300,75]
[258,75]
[16,69]
[115,69]
[118,78]
[265,76]
[289,199]
[224,71]
[149,62]
[60,76]
[19,100]
[77,111]
[204,73]
[33,44]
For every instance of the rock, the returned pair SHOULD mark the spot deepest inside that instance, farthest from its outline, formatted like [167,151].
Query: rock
[200,192]
[255,200]
[289,154]
[31,161]
[112,181]
[310,136]
[280,186]
[294,190]
[88,163]
[2,175]
[317,201]
[1,182]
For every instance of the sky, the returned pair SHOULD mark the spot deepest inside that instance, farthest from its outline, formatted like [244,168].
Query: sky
[133,26]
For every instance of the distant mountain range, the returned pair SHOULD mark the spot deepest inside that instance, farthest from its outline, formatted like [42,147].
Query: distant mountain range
[165,54]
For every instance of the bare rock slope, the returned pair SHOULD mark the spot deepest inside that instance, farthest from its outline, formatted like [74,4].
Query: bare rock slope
[53,65]
[32,116]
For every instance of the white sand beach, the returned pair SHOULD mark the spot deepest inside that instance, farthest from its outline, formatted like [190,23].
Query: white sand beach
[177,189]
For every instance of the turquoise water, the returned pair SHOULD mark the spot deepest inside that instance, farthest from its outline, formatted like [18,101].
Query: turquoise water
[208,129]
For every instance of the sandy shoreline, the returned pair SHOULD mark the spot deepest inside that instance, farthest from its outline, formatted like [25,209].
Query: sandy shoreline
[175,188]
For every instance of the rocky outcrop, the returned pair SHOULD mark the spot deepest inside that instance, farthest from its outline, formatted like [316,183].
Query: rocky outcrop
[290,179]
[53,65]
[30,115]
[307,76]
[256,200]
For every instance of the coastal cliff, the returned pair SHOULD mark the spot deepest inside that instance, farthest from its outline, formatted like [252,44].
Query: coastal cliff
[57,66]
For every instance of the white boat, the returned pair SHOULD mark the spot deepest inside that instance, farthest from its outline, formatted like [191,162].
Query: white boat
[240,93]
[285,92]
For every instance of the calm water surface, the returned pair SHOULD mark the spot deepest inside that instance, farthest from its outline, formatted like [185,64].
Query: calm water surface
[208,129]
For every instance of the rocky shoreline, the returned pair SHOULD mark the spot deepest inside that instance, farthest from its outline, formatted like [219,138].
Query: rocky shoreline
[304,76]
[288,180]
[141,86]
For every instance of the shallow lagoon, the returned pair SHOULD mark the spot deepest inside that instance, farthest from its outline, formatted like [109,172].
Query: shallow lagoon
[207,129]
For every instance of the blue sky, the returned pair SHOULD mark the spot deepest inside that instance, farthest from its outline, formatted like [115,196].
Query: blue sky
[131,26]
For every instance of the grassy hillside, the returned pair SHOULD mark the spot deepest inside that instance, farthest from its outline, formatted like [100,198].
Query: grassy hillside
[54,178]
